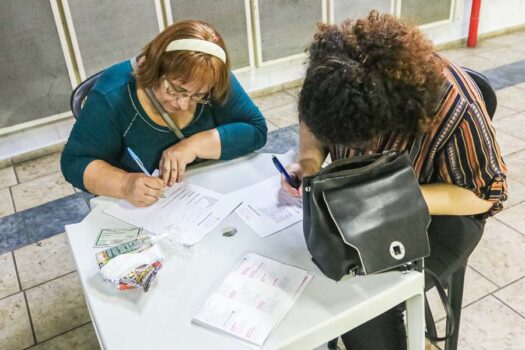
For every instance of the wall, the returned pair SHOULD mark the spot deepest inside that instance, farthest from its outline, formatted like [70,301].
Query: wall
[495,16]
[52,45]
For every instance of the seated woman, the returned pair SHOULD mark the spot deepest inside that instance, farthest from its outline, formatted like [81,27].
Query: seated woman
[178,103]
[375,84]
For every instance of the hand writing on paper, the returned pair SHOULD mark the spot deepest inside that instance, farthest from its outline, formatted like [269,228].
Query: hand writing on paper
[174,161]
[142,190]
[296,172]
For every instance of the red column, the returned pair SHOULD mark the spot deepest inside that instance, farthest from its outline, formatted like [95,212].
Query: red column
[474,21]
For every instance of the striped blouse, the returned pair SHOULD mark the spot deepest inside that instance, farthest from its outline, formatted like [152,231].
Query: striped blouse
[460,149]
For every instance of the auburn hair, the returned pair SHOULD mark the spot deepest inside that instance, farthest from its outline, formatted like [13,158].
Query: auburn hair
[185,66]
[370,77]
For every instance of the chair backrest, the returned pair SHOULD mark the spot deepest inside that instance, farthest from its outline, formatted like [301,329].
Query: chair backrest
[80,92]
[488,93]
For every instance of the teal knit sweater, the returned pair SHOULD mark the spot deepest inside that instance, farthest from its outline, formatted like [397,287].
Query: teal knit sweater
[112,119]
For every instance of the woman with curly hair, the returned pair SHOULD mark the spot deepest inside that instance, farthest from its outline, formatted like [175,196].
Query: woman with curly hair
[375,84]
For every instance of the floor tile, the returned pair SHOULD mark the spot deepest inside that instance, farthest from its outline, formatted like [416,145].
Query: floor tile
[507,75]
[6,203]
[15,329]
[81,338]
[514,217]
[7,177]
[39,191]
[44,261]
[283,116]
[8,281]
[270,101]
[13,233]
[282,140]
[489,325]
[482,48]
[513,125]
[504,55]
[516,166]
[294,92]
[476,63]
[521,85]
[455,55]
[476,287]
[38,167]
[516,192]
[57,306]
[341,346]
[86,196]
[513,296]
[49,219]
[512,97]
[508,143]
[508,39]
[271,126]
[503,112]
[499,253]
[430,346]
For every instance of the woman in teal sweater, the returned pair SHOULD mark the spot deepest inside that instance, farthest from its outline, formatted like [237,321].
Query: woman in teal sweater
[177,102]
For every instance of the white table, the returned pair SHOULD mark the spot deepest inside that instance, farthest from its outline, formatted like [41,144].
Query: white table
[160,318]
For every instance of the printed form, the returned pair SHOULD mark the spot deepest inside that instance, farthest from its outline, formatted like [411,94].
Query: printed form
[188,212]
[267,208]
[253,298]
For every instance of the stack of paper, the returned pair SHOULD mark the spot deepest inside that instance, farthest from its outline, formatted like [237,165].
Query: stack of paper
[254,298]
[188,212]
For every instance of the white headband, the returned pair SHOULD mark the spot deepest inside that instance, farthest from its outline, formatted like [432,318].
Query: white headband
[198,45]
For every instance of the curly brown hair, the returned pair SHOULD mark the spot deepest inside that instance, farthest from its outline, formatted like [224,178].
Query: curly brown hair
[370,77]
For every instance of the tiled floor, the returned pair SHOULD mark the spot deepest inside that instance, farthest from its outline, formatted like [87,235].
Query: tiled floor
[41,301]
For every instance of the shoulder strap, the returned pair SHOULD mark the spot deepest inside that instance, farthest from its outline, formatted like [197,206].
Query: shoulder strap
[431,332]
[159,107]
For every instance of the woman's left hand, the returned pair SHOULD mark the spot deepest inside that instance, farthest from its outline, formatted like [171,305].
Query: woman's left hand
[174,161]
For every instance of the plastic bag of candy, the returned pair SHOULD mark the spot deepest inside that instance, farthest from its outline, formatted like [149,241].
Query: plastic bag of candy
[133,264]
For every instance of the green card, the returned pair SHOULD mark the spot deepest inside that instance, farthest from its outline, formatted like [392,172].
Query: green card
[109,237]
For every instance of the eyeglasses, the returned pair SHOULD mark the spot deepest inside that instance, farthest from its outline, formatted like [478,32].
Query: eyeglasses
[178,92]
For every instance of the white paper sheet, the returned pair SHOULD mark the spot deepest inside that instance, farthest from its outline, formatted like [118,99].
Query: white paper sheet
[187,213]
[254,298]
[267,208]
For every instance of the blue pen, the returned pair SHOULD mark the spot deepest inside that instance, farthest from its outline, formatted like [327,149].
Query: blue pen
[138,161]
[293,182]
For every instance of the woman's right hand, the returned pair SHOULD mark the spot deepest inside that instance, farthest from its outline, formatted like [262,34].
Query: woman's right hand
[142,190]
[295,170]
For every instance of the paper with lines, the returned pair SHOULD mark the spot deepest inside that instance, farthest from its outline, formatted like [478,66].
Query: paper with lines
[267,208]
[188,212]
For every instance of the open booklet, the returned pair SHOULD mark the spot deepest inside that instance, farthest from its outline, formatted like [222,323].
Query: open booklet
[253,298]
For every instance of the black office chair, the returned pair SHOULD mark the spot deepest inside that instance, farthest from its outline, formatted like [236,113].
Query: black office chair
[80,92]
[456,281]
[488,93]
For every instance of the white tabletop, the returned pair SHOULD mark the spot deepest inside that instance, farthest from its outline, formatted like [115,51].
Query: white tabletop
[161,318]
